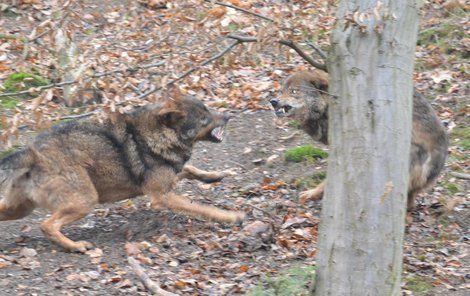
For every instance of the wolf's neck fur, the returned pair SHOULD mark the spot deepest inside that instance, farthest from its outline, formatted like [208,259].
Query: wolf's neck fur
[316,125]
[161,146]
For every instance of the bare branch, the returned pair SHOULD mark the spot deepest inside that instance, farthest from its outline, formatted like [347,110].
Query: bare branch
[242,10]
[288,43]
[154,287]
[460,175]
[52,85]
[242,38]
[318,50]
[36,89]
[181,76]
[297,49]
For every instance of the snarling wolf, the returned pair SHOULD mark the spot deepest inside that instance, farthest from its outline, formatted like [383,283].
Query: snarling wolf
[74,166]
[304,98]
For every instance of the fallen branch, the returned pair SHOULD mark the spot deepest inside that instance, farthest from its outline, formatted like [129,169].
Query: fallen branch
[287,43]
[242,10]
[460,175]
[154,287]
[36,89]
[12,37]
[98,75]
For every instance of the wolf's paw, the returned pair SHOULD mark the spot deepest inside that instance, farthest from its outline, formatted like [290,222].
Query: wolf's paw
[155,206]
[313,194]
[217,176]
[228,173]
[239,217]
[81,247]
[408,219]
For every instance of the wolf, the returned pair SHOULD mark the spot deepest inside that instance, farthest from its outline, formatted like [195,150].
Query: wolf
[74,166]
[304,97]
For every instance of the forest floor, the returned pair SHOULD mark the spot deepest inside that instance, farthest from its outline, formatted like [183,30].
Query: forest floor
[273,252]
[191,256]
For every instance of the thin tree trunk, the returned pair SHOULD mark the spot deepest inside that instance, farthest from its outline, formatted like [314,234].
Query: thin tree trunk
[370,66]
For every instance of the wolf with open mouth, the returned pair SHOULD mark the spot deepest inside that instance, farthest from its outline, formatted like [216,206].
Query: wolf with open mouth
[74,166]
[304,98]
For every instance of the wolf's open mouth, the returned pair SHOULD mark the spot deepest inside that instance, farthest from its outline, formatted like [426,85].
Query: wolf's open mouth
[283,110]
[217,134]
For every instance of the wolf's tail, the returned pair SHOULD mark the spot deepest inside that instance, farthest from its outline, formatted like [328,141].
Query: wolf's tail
[14,166]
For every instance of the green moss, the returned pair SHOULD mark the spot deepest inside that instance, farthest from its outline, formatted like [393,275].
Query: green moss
[295,281]
[461,137]
[8,102]
[452,188]
[294,123]
[442,36]
[232,27]
[14,81]
[418,284]
[18,82]
[309,182]
[9,151]
[305,152]
[465,144]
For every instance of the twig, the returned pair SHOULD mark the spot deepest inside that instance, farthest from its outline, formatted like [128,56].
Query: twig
[237,163]
[154,287]
[36,89]
[6,36]
[287,43]
[181,76]
[242,38]
[41,88]
[318,50]
[241,9]
[460,175]
[261,210]
[297,49]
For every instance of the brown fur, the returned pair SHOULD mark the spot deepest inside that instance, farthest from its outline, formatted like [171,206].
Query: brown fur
[77,165]
[305,99]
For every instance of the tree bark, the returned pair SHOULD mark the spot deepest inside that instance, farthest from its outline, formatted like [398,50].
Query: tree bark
[371,64]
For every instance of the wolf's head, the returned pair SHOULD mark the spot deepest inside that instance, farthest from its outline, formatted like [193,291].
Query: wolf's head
[303,97]
[191,119]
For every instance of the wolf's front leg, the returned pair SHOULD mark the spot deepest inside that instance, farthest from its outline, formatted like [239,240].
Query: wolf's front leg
[313,194]
[191,172]
[183,204]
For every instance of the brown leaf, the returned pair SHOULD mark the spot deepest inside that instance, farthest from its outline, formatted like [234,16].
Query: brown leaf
[217,12]
[132,248]
[179,284]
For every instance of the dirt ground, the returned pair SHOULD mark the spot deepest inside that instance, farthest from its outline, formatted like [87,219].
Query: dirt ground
[196,257]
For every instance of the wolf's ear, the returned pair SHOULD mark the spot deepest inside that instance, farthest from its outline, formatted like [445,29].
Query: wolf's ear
[320,81]
[170,117]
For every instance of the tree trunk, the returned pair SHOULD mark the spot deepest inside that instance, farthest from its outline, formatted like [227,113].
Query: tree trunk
[371,64]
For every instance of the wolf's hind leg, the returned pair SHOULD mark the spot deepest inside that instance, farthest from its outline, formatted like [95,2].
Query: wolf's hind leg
[182,204]
[313,194]
[70,197]
[65,215]
[191,172]
[15,212]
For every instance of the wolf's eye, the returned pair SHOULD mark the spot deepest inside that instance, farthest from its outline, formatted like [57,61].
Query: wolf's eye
[293,91]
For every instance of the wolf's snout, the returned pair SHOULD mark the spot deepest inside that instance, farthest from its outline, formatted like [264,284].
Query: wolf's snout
[226,117]
[274,102]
